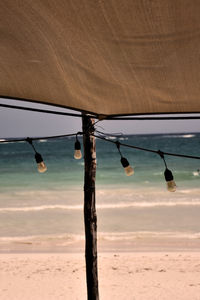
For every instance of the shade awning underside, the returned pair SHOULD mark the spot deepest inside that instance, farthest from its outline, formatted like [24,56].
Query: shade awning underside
[102,56]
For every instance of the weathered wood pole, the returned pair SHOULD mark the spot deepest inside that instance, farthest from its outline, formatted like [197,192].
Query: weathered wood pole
[90,217]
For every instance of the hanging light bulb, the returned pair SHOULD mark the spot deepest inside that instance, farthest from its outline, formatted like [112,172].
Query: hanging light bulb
[127,168]
[40,163]
[38,157]
[77,151]
[171,185]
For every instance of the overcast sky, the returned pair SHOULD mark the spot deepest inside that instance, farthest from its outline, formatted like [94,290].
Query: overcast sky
[17,123]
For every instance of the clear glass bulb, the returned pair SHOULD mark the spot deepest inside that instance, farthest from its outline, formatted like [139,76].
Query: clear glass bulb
[171,186]
[129,170]
[41,167]
[77,154]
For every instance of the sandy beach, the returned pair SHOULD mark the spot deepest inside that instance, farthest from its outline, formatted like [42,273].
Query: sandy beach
[130,276]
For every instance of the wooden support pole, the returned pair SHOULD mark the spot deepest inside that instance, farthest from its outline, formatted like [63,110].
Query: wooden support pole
[90,217]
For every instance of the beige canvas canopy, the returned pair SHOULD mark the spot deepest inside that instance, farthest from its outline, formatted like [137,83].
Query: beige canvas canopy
[102,56]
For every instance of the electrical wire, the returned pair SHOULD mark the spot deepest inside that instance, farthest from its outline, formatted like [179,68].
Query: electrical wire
[39,138]
[146,149]
[158,152]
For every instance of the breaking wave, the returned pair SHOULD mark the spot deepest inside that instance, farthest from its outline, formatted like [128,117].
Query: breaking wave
[66,239]
[101,206]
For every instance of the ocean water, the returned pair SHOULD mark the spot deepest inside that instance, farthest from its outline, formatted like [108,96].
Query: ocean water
[48,208]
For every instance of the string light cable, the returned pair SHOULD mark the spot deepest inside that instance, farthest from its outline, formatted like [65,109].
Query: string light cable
[101,138]
[115,135]
[10,140]
[145,149]
[171,185]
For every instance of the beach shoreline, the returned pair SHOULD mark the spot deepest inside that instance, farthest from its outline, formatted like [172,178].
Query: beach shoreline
[117,243]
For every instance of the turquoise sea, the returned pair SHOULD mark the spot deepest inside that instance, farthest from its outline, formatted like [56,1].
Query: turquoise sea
[41,209]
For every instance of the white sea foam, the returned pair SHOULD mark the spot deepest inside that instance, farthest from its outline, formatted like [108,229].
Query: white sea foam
[117,236]
[147,204]
[187,136]
[39,208]
[196,173]
[179,136]
[157,173]
[121,205]
[42,141]
[111,138]
[123,138]
[67,239]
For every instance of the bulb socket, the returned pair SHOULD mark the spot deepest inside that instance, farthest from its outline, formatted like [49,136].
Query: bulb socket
[38,158]
[77,145]
[124,162]
[168,175]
